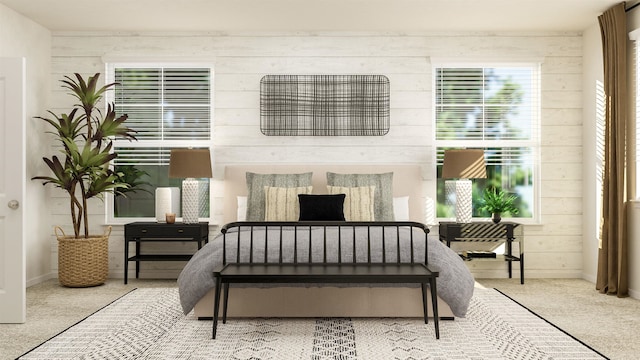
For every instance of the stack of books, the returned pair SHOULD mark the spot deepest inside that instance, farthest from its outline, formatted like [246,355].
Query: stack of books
[479,254]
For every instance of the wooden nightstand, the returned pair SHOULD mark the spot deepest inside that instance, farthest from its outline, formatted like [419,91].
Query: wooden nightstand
[140,232]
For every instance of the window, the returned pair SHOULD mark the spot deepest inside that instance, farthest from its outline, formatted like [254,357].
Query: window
[169,107]
[495,109]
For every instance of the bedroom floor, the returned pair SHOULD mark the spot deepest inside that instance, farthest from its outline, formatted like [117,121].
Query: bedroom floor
[609,324]
[606,323]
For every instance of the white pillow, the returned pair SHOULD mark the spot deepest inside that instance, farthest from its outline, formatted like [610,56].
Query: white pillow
[358,202]
[401,208]
[242,208]
[281,203]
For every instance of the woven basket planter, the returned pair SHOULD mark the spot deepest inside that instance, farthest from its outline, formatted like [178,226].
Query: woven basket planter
[83,262]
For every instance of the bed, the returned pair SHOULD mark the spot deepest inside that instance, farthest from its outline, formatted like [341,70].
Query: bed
[455,284]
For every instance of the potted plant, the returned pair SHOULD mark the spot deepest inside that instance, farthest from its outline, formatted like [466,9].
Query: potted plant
[496,202]
[83,172]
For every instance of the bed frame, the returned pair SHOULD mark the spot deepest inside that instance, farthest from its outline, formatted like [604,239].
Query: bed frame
[325,301]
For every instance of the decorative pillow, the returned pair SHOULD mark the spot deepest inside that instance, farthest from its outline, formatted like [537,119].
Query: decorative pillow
[242,208]
[383,201]
[321,207]
[401,208]
[255,188]
[358,203]
[281,204]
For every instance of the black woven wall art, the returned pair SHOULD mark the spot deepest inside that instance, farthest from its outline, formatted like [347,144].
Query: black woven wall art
[324,105]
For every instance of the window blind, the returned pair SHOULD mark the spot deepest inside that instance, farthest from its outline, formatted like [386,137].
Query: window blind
[482,103]
[167,106]
[165,103]
[499,156]
[142,156]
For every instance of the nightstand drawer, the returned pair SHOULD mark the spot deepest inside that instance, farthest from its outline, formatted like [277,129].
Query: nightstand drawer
[165,232]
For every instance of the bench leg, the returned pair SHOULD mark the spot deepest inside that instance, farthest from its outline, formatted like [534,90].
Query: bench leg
[216,306]
[434,305]
[521,268]
[226,302]
[424,303]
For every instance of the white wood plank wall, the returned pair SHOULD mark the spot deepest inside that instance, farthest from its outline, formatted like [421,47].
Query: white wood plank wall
[553,248]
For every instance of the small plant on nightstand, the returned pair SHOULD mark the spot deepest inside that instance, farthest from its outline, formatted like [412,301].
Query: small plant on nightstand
[496,202]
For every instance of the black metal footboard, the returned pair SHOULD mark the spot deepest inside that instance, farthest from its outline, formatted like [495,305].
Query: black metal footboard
[302,250]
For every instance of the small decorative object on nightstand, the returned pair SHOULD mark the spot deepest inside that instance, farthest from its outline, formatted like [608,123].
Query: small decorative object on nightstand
[167,201]
[170,217]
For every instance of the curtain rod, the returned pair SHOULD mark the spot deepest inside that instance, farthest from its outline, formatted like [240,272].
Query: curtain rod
[632,7]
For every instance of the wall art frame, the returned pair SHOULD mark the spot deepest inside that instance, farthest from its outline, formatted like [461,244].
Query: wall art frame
[324,105]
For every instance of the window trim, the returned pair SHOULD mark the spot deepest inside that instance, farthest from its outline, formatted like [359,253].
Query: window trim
[535,143]
[110,67]
[634,151]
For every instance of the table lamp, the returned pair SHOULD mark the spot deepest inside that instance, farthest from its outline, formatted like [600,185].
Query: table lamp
[462,165]
[190,164]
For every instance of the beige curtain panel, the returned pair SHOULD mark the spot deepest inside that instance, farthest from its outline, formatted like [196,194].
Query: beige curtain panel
[612,275]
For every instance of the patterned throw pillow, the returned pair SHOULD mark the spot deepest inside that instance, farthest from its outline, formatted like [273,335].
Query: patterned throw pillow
[383,201]
[281,204]
[358,202]
[255,189]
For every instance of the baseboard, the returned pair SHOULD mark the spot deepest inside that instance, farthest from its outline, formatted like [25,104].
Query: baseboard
[40,279]
[528,274]
[589,277]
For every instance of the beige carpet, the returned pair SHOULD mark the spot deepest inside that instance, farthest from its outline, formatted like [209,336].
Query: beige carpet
[608,324]
[52,308]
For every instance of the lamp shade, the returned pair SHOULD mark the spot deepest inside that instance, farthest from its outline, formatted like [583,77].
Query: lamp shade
[190,163]
[464,164]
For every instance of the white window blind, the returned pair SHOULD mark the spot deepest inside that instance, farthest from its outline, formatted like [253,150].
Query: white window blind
[487,103]
[143,156]
[166,106]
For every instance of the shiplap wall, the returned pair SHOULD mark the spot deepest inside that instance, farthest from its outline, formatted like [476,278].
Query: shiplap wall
[553,248]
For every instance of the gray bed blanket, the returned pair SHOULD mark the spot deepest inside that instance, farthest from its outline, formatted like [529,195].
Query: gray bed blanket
[455,283]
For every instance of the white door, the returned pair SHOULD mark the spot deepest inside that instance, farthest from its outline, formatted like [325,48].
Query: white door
[12,184]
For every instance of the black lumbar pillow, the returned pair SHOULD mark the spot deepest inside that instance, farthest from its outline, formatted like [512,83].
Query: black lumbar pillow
[321,207]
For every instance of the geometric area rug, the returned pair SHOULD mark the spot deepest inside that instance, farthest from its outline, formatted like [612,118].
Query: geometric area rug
[148,323]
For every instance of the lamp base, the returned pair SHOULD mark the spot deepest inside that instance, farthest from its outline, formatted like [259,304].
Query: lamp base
[190,200]
[463,198]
